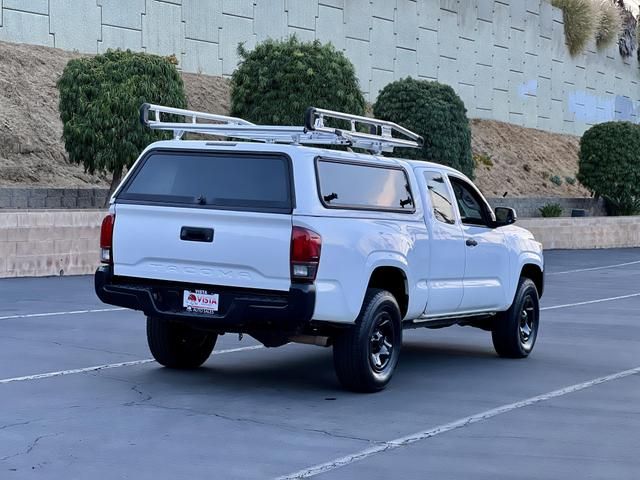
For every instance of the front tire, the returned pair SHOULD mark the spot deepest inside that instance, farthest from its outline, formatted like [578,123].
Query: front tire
[366,355]
[515,331]
[178,346]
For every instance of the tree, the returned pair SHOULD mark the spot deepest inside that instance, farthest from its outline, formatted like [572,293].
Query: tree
[434,111]
[100,98]
[609,165]
[276,82]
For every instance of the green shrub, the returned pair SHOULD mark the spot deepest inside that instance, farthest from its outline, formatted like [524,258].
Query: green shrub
[276,82]
[608,22]
[609,164]
[551,210]
[570,180]
[556,179]
[100,98]
[579,22]
[434,111]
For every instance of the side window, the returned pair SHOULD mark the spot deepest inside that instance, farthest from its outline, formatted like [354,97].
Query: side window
[363,186]
[470,205]
[440,197]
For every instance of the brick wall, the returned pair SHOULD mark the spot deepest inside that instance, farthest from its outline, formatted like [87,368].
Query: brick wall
[507,59]
[34,197]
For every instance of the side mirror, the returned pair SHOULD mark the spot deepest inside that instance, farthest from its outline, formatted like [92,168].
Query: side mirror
[505,216]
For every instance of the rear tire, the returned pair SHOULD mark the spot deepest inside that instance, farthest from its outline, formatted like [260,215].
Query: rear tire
[178,346]
[515,331]
[366,355]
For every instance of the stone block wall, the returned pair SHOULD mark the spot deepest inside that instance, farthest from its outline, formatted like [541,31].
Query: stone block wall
[49,242]
[507,59]
[35,197]
[528,207]
[92,198]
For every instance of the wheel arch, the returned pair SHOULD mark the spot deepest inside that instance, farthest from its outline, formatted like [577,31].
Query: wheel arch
[394,280]
[535,273]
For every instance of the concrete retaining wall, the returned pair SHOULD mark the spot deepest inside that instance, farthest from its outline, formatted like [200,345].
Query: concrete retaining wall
[49,242]
[35,197]
[527,207]
[582,233]
[507,59]
[59,242]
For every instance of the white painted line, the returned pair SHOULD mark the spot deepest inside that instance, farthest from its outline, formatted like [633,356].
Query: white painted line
[447,427]
[591,269]
[99,310]
[76,370]
[589,302]
[109,366]
[56,314]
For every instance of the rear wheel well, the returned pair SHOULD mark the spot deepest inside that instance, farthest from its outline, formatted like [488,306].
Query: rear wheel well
[534,272]
[394,281]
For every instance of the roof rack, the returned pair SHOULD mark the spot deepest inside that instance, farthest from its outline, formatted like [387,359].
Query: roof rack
[379,139]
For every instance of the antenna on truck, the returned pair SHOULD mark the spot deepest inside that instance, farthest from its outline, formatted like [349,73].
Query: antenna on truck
[383,136]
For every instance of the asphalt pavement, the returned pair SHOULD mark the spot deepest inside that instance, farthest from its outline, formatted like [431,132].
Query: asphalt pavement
[79,397]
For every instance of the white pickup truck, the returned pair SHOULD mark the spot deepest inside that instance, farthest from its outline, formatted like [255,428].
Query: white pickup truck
[292,243]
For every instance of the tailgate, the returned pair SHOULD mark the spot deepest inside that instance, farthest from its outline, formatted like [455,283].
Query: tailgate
[209,219]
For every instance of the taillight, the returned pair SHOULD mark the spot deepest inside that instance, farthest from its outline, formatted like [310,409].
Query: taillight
[305,254]
[106,239]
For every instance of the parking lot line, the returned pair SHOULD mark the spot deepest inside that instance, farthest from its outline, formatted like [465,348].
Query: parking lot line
[590,269]
[56,314]
[101,310]
[96,368]
[447,427]
[589,302]
[232,350]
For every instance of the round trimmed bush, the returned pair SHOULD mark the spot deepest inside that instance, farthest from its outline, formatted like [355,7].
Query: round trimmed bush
[609,165]
[434,111]
[276,82]
[100,98]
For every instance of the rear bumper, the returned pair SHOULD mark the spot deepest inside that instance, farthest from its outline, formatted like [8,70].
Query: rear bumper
[241,309]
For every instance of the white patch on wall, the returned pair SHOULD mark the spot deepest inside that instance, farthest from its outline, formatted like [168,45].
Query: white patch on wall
[528,88]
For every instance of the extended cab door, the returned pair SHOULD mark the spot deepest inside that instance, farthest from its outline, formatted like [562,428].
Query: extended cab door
[447,258]
[486,275]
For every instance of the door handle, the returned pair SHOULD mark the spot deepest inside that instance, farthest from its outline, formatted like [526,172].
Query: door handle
[471,242]
[196,234]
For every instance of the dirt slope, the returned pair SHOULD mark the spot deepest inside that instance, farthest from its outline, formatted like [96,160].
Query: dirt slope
[510,159]
[31,149]
[522,161]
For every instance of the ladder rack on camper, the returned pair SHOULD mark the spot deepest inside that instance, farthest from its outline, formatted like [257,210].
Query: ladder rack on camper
[380,139]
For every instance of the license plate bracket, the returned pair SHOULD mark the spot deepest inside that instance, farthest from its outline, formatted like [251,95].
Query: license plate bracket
[200,301]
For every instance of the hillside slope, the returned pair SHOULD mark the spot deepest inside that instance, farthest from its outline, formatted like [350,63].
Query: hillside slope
[524,160]
[512,159]
[31,147]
